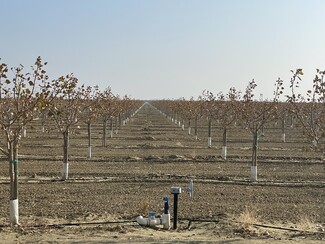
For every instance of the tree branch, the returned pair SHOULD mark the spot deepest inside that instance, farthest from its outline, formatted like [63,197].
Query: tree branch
[4,151]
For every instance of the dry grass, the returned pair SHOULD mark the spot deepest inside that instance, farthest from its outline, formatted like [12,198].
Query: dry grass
[179,144]
[306,222]
[193,154]
[247,218]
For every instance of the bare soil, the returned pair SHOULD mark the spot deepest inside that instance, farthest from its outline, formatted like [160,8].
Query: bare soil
[139,165]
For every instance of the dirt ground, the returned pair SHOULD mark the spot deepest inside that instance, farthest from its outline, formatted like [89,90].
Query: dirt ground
[137,168]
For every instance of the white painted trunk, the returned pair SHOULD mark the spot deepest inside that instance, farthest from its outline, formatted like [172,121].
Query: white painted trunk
[14,212]
[24,133]
[283,137]
[123,122]
[43,129]
[179,123]
[175,121]
[89,152]
[253,173]
[65,171]
[183,127]
[196,137]
[209,141]
[111,134]
[189,130]
[224,152]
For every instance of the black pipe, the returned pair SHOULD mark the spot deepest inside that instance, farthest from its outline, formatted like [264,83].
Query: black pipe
[175,210]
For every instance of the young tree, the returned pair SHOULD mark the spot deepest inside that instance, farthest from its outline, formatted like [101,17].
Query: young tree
[283,114]
[310,111]
[91,114]
[21,96]
[226,114]
[255,115]
[187,112]
[209,110]
[126,105]
[177,115]
[67,110]
[108,107]
[198,113]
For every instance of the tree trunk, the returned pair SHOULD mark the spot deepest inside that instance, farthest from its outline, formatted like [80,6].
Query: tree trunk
[254,157]
[262,130]
[292,121]
[65,171]
[119,121]
[224,144]
[111,128]
[43,117]
[209,132]
[104,133]
[89,140]
[13,170]
[283,135]
[125,118]
[195,127]
[43,127]
[116,125]
[189,126]
[24,132]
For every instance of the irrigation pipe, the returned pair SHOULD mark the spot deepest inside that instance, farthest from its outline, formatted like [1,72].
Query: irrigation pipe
[168,178]
[256,225]
[76,224]
[283,228]
[86,223]
[182,219]
[89,223]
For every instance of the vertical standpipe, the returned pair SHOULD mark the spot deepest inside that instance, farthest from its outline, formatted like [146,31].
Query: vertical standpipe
[175,191]
[166,214]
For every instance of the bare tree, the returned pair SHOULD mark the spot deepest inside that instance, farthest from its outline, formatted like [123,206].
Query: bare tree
[108,107]
[310,110]
[187,111]
[21,96]
[255,115]
[226,114]
[209,110]
[67,110]
[197,109]
[91,114]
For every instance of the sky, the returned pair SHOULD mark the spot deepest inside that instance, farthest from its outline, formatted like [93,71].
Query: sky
[167,49]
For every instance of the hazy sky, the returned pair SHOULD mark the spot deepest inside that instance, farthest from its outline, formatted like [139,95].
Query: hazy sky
[154,49]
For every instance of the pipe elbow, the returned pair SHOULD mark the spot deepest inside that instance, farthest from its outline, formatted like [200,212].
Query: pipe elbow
[142,221]
[149,221]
